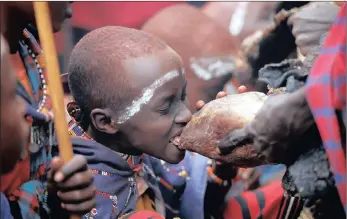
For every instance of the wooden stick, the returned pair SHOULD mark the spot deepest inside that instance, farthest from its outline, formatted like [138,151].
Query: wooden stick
[43,22]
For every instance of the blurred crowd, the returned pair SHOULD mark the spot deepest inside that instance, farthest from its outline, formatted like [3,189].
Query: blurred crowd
[133,75]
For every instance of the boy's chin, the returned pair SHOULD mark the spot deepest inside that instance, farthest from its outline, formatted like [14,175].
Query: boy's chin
[173,154]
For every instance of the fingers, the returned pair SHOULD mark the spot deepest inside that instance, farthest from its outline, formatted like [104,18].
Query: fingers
[221,94]
[233,140]
[77,196]
[200,104]
[80,179]
[77,163]
[56,164]
[241,89]
[80,208]
[74,184]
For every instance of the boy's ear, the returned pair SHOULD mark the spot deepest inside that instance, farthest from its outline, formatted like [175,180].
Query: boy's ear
[102,121]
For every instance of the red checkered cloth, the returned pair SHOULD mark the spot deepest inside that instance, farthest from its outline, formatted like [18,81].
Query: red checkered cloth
[326,94]
[266,202]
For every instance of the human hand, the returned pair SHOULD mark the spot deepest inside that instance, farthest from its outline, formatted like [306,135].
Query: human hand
[73,184]
[311,22]
[282,120]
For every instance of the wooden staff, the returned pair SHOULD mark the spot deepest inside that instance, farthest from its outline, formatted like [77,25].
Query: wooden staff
[43,22]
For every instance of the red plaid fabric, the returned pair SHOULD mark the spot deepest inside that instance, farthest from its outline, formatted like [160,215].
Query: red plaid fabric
[326,93]
[264,202]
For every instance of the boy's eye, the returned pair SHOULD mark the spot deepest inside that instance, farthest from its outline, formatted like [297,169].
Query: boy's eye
[164,111]
[167,106]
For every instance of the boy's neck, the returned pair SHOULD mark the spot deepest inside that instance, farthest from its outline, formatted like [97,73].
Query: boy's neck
[112,142]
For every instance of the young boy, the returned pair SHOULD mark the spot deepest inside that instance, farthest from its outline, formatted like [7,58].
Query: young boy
[130,94]
[40,185]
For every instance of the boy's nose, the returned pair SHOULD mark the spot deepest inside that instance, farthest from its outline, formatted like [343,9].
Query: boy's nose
[184,116]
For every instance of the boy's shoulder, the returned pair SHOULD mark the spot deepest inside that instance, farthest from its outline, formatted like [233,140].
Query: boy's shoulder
[114,180]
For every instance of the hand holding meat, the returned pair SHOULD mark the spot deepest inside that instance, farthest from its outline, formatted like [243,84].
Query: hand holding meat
[280,122]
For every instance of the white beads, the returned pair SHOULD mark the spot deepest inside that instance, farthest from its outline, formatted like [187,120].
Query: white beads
[43,81]
[183,173]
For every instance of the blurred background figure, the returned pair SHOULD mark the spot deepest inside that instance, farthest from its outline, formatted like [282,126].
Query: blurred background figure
[241,18]
[209,53]
[91,15]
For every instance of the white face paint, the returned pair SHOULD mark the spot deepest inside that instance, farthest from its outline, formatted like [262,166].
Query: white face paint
[212,67]
[146,96]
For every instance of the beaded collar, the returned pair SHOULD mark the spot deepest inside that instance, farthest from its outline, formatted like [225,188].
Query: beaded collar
[33,58]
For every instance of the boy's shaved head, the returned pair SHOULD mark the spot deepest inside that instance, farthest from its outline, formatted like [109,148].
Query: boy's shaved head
[131,89]
[102,52]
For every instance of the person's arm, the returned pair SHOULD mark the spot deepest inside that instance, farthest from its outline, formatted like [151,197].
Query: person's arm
[218,185]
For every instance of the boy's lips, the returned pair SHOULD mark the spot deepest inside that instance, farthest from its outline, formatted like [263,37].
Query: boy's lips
[176,139]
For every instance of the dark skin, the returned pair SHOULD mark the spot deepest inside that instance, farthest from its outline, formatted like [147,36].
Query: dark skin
[163,117]
[150,130]
[282,120]
[72,183]
[19,14]
[12,115]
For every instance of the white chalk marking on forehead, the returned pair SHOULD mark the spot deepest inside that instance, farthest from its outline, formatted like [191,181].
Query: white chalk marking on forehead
[214,67]
[147,95]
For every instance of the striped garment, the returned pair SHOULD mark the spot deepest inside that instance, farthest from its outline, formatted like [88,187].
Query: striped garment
[25,185]
[326,94]
[267,202]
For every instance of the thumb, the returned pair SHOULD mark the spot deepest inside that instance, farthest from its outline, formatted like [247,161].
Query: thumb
[56,164]
[234,139]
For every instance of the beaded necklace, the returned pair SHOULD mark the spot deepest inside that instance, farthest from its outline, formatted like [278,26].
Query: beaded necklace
[42,77]
[183,173]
